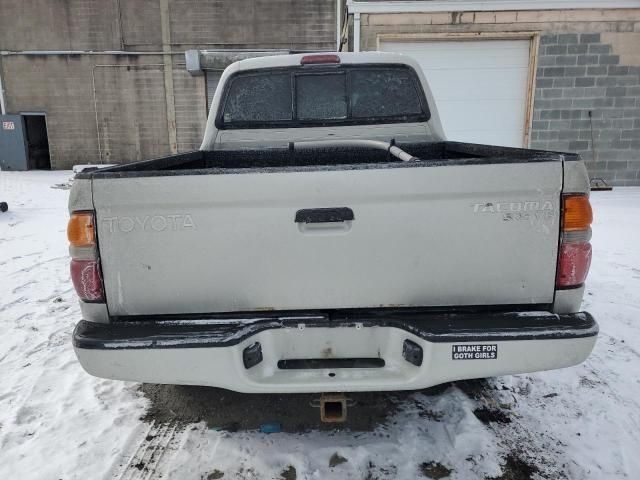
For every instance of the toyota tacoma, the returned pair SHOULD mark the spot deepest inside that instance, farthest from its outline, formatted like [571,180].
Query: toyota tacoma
[326,237]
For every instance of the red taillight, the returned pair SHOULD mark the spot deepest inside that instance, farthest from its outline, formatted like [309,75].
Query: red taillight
[573,264]
[574,256]
[86,278]
[316,59]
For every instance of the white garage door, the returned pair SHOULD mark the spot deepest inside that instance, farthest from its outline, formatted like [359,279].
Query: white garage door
[480,86]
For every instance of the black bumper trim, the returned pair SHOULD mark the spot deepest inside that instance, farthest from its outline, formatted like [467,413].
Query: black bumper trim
[437,328]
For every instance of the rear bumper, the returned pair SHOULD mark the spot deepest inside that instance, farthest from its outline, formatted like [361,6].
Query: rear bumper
[417,349]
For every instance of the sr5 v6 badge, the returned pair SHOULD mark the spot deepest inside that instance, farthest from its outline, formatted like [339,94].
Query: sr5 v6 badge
[533,211]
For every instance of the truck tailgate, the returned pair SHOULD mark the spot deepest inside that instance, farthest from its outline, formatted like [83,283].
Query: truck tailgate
[420,236]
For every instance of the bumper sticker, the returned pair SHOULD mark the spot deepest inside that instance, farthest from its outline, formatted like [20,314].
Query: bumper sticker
[474,352]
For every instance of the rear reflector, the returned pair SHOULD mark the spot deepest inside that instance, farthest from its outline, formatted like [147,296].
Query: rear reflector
[577,214]
[85,275]
[316,59]
[577,236]
[573,264]
[80,231]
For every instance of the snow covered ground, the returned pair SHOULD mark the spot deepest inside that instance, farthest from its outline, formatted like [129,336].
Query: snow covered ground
[58,422]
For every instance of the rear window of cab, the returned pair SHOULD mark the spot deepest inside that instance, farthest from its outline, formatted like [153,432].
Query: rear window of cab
[320,96]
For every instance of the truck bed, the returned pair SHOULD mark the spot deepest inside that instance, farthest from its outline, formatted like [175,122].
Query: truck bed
[277,159]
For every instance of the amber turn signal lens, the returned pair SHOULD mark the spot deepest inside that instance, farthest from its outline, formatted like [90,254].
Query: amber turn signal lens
[577,213]
[80,231]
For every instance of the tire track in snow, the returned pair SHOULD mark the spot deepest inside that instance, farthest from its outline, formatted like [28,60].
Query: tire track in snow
[152,453]
[39,264]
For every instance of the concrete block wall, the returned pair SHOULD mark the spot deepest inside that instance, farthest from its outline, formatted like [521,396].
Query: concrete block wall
[59,25]
[190,100]
[140,25]
[131,111]
[622,21]
[293,24]
[128,120]
[110,25]
[61,87]
[588,101]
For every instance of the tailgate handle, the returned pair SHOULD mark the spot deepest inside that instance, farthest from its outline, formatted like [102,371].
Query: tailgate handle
[324,215]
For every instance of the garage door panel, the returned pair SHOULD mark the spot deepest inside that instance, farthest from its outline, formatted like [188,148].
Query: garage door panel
[489,137]
[475,84]
[471,63]
[498,113]
[450,83]
[507,53]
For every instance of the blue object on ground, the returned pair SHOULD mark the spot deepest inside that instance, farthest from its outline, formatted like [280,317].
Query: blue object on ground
[270,427]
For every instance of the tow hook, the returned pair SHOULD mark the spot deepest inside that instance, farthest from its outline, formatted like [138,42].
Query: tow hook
[333,407]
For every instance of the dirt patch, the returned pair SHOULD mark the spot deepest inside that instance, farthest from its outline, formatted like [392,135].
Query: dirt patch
[430,414]
[589,382]
[434,470]
[289,473]
[476,388]
[375,472]
[215,475]
[491,415]
[515,468]
[336,459]
[232,411]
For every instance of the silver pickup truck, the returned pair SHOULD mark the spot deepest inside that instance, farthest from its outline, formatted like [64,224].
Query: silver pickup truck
[327,238]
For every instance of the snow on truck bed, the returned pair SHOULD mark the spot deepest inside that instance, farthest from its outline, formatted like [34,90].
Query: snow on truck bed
[58,422]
